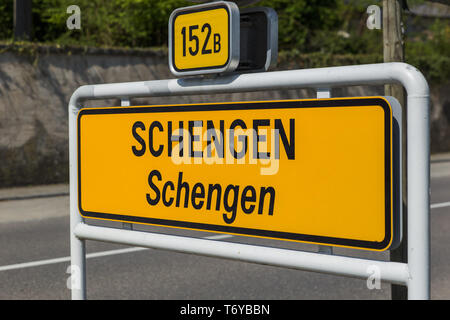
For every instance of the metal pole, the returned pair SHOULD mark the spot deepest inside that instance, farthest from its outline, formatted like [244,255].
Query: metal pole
[77,245]
[418,197]
[293,259]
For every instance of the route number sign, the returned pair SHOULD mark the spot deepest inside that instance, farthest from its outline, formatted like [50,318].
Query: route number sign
[204,39]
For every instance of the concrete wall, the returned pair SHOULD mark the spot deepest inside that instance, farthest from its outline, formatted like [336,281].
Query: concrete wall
[35,89]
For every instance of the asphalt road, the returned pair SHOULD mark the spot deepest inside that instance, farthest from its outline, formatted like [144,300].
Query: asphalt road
[34,258]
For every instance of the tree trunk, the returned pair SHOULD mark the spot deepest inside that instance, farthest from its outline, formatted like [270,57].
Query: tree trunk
[393,46]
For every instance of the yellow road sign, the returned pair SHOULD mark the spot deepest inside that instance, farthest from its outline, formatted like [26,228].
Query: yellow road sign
[317,171]
[204,39]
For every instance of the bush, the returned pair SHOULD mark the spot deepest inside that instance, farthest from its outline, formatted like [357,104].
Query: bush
[6,19]
[315,28]
[432,55]
[144,23]
[136,23]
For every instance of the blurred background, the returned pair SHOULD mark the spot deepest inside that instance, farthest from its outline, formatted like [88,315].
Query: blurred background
[42,61]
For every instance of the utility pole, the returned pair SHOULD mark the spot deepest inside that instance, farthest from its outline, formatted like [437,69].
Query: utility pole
[22,20]
[393,47]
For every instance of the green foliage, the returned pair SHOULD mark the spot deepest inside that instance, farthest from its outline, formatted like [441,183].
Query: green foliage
[432,55]
[302,20]
[307,25]
[136,23]
[315,29]
[328,26]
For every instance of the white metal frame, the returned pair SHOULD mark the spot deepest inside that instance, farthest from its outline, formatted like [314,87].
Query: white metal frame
[415,274]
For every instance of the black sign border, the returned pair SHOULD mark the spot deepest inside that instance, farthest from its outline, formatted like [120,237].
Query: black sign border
[255,105]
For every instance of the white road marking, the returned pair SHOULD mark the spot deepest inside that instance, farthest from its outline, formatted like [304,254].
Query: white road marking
[92,255]
[218,236]
[133,249]
[440,205]
[34,263]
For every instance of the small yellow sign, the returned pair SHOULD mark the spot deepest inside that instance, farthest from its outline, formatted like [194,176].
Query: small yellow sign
[317,171]
[202,38]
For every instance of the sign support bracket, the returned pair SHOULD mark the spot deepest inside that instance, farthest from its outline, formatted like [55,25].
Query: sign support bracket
[324,93]
[125,102]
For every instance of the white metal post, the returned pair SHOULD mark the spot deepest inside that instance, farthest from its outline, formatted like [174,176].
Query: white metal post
[415,274]
[418,196]
[77,245]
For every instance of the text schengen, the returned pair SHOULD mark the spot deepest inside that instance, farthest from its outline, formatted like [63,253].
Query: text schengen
[206,142]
